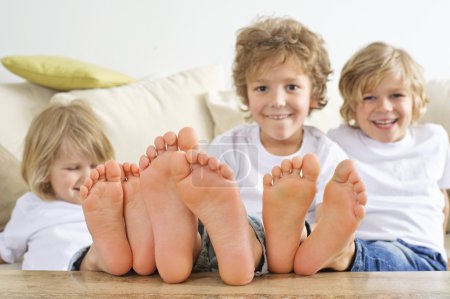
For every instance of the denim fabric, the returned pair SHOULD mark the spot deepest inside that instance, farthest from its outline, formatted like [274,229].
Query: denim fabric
[396,255]
[75,261]
[308,228]
[207,260]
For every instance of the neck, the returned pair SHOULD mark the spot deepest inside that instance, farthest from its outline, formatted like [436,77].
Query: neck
[284,147]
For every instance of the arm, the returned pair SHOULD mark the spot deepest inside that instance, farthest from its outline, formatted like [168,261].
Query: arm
[15,236]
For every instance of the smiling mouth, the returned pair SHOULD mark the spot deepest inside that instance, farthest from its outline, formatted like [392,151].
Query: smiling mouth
[277,116]
[385,122]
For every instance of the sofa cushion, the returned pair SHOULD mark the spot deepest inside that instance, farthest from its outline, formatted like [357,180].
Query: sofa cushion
[134,114]
[20,103]
[438,92]
[63,73]
[224,107]
[12,185]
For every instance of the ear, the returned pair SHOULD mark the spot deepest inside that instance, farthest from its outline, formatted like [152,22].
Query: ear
[352,122]
[47,178]
[313,104]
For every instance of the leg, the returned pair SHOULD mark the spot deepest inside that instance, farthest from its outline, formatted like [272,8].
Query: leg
[176,239]
[102,201]
[138,225]
[288,194]
[331,244]
[209,190]
[372,256]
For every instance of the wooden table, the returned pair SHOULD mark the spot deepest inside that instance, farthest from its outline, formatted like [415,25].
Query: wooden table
[49,284]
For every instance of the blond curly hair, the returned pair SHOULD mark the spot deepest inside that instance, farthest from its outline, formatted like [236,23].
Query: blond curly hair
[277,39]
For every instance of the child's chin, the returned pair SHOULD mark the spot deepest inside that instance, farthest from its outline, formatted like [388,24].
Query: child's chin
[385,139]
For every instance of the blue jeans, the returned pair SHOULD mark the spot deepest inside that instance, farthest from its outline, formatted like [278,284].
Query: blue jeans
[372,256]
[207,260]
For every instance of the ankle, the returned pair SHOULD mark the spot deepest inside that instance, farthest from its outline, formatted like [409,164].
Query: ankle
[89,261]
[344,260]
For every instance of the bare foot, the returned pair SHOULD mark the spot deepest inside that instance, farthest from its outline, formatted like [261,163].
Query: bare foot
[287,196]
[176,239]
[209,190]
[138,225]
[102,203]
[331,244]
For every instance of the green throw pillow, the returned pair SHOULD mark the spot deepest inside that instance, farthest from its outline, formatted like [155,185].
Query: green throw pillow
[62,73]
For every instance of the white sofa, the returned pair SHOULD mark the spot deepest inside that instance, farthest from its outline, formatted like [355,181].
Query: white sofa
[134,114]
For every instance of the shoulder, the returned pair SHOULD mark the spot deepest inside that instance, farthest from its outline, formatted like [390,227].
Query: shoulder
[342,131]
[27,204]
[318,136]
[315,133]
[429,131]
[322,143]
[429,128]
[347,137]
[29,199]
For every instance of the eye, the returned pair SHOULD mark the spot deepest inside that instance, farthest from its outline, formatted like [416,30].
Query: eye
[72,168]
[292,87]
[368,98]
[398,95]
[261,88]
[92,166]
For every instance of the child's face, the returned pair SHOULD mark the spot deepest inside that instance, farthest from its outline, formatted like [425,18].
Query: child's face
[279,101]
[68,173]
[386,112]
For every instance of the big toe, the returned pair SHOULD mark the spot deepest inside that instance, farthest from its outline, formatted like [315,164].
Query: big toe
[311,167]
[113,171]
[187,139]
[343,171]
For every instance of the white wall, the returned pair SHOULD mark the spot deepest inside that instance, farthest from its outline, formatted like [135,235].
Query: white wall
[145,37]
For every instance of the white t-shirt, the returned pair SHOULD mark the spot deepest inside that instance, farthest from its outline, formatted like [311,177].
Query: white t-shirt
[46,234]
[404,181]
[242,150]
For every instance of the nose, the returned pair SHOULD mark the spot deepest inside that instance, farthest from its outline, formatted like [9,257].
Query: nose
[85,173]
[279,99]
[385,104]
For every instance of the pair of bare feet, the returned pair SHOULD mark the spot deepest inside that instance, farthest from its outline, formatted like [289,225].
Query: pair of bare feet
[146,217]
[288,193]
[175,186]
